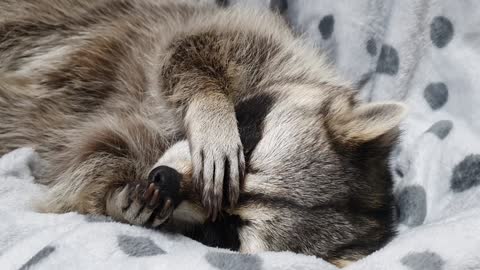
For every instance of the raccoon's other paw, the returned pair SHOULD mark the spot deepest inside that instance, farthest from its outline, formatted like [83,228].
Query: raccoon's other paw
[126,204]
[148,204]
[166,183]
[218,167]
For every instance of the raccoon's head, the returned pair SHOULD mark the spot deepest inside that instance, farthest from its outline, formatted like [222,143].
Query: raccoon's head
[310,148]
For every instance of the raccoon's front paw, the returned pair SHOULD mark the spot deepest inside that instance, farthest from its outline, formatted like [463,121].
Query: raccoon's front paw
[218,166]
[149,204]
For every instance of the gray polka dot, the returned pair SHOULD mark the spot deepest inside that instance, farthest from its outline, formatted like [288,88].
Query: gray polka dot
[399,172]
[466,174]
[388,61]
[436,94]
[41,255]
[423,261]
[138,246]
[222,3]
[97,218]
[441,128]
[364,80]
[234,261]
[412,205]
[279,5]
[326,26]
[441,31]
[372,47]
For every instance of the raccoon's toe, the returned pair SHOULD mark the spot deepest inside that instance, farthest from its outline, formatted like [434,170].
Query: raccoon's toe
[163,213]
[138,211]
[151,196]
[125,204]
[218,178]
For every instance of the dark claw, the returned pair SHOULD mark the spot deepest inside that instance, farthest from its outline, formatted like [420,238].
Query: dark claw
[166,207]
[154,200]
[149,192]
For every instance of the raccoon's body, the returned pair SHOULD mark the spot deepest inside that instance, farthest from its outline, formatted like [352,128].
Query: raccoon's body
[216,123]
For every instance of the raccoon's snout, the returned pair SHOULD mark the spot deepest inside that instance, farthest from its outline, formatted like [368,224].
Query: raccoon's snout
[167,180]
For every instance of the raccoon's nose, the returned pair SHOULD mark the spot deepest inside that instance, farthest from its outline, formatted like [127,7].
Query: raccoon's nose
[166,179]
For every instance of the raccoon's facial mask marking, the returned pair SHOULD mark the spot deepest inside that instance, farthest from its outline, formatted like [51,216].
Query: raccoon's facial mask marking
[250,115]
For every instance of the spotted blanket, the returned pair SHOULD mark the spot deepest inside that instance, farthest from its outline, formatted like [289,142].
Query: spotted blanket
[425,53]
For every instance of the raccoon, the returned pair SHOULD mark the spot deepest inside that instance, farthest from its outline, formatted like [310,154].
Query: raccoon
[217,123]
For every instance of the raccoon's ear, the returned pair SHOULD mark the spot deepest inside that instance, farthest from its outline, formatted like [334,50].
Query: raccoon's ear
[366,122]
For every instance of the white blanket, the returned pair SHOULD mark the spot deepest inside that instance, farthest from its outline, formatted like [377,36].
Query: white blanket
[423,52]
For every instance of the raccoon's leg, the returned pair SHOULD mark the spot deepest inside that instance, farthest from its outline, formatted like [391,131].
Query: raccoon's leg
[190,82]
[217,152]
[106,169]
